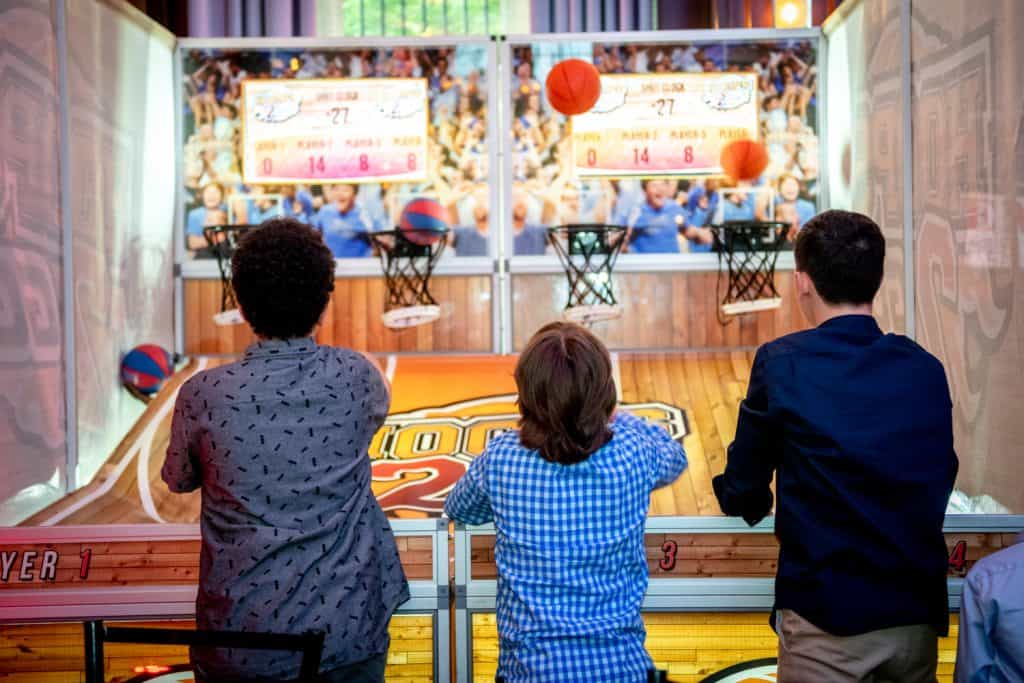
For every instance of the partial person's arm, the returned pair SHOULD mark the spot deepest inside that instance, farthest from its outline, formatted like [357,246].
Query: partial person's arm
[181,470]
[744,490]
[468,502]
[380,390]
[974,652]
[666,457]
[194,236]
[383,375]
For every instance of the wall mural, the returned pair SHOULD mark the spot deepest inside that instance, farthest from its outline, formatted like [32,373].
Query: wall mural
[122,162]
[32,441]
[968,164]
[865,136]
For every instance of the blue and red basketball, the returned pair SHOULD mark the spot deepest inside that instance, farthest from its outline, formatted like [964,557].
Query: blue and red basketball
[146,368]
[424,221]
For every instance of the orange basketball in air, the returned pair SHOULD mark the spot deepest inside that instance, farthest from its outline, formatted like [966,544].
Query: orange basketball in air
[744,159]
[573,86]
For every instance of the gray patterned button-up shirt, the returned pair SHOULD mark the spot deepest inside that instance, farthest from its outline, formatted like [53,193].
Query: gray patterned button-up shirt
[293,538]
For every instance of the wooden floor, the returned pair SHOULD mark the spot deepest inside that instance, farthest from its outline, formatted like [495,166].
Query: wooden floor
[52,652]
[707,387]
[694,645]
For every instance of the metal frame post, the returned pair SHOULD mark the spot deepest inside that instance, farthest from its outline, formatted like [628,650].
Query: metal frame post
[906,86]
[94,660]
[67,252]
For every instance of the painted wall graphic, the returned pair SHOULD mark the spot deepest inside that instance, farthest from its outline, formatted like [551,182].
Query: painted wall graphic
[590,171]
[32,441]
[334,130]
[865,136]
[419,455]
[440,150]
[122,171]
[968,174]
[664,124]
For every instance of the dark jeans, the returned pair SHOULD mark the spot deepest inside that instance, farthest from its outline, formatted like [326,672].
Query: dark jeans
[367,671]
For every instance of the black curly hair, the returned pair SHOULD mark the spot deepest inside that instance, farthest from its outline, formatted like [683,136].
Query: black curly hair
[283,276]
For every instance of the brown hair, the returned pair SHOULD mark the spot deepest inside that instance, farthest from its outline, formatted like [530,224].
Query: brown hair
[566,393]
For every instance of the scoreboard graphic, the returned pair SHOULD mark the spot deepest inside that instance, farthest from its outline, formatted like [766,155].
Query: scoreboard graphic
[664,124]
[353,130]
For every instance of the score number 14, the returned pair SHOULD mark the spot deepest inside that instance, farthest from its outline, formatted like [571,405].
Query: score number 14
[318,164]
[641,156]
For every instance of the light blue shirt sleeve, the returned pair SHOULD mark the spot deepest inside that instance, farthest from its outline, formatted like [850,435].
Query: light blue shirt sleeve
[666,456]
[317,221]
[194,224]
[990,646]
[468,502]
[805,211]
[974,653]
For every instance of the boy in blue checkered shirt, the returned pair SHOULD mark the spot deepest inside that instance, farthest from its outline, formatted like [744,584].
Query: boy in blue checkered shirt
[568,494]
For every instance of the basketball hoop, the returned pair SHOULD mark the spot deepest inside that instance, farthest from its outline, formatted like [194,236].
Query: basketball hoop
[410,316]
[588,315]
[223,239]
[749,249]
[407,267]
[588,254]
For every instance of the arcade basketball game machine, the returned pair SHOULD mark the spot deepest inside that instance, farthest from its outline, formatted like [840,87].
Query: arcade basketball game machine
[465,212]
[684,316]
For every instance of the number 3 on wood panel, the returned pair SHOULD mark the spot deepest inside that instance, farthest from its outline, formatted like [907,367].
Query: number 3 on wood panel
[668,563]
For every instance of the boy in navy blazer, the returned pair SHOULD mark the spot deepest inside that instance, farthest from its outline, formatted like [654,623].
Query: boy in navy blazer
[857,428]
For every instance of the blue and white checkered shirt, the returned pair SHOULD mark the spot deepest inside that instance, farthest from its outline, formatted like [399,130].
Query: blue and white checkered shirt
[572,569]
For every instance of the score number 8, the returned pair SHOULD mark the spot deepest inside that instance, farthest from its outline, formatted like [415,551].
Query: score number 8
[364,162]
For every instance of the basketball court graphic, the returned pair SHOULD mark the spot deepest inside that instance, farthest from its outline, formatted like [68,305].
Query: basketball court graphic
[444,409]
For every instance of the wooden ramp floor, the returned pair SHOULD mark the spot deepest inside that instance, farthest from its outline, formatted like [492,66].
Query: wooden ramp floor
[477,394]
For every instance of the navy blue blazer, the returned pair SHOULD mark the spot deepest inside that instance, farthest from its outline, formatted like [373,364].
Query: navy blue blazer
[857,426]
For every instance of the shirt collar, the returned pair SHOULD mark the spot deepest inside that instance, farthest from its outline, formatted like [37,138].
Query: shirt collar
[854,323]
[281,347]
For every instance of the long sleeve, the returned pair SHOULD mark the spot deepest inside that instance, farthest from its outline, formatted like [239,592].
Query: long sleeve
[181,466]
[744,490]
[974,652]
[468,502]
[666,457]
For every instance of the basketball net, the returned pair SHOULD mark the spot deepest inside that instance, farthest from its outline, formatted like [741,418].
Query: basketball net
[588,254]
[222,240]
[749,250]
[407,269]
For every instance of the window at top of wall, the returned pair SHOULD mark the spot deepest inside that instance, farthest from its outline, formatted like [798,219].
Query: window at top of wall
[422,17]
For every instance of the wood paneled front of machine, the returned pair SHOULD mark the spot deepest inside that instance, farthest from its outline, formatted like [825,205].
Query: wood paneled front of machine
[677,310]
[353,318]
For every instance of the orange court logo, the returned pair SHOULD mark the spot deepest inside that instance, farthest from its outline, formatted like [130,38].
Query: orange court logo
[755,671]
[419,455]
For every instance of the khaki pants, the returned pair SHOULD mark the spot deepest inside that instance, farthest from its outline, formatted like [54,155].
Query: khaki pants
[906,654]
